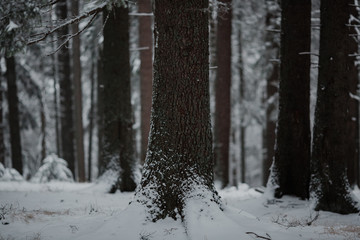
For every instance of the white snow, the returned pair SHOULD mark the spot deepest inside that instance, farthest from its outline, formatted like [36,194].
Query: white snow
[11,26]
[66,210]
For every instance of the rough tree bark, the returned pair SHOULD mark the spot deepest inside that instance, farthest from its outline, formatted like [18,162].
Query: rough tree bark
[118,143]
[13,102]
[66,92]
[179,158]
[145,40]
[222,92]
[291,168]
[329,183]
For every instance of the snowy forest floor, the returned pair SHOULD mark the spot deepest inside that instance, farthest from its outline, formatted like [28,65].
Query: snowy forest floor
[83,211]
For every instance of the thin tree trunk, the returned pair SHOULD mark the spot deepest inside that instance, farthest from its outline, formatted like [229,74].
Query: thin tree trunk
[291,169]
[91,117]
[242,106]
[66,92]
[145,40]
[330,142]
[43,128]
[222,92]
[13,103]
[2,127]
[55,74]
[100,114]
[79,132]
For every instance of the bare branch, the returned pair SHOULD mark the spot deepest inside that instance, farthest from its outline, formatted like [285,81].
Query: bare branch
[92,12]
[258,236]
[141,14]
[273,30]
[75,34]
[309,53]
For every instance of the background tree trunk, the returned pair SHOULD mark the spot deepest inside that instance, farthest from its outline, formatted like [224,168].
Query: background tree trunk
[272,54]
[79,132]
[13,103]
[292,154]
[222,92]
[118,144]
[2,127]
[100,112]
[331,129]
[91,115]
[66,92]
[180,148]
[145,40]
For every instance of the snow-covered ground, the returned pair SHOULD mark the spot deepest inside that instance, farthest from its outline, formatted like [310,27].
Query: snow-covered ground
[32,211]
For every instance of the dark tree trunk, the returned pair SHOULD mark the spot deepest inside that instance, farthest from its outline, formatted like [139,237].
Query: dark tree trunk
[353,119]
[66,92]
[330,141]
[13,103]
[292,154]
[118,143]
[2,127]
[242,106]
[79,133]
[91,116]
[272,40]
[179,157]
[100,114]
[145,40]
[43,128]
[222,92]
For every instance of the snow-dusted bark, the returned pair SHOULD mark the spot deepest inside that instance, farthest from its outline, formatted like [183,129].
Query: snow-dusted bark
[179,160]
[330,186]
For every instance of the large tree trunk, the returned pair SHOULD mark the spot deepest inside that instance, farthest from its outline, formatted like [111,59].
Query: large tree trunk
[145,40]
[66,92]
[222,92]
[179,158]
[291,169]
[79,133]
[330,142]
[353,119]
[118,143]
[272,67]
[13,103]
